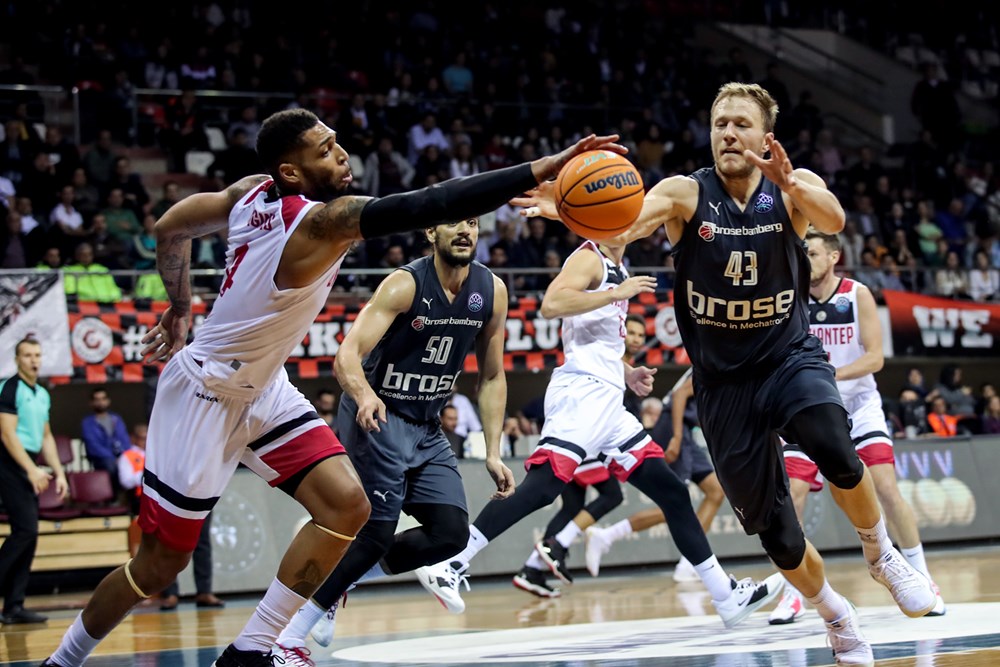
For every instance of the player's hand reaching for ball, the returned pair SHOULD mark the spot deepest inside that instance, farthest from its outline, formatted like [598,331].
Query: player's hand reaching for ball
[777,168]
[539,202]
[502,477]
[548,167]
[371,411]
[634,285]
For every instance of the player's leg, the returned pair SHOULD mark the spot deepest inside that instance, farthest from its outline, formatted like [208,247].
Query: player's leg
[172,509]
[803,477]
[802,566]
[702,473]
[295,451]
[823,432]
[564,526]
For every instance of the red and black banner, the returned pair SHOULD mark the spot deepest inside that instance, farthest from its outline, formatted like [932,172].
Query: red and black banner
[106,339]
[936,326]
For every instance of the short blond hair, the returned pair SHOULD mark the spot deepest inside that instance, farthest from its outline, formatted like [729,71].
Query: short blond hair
[768,107]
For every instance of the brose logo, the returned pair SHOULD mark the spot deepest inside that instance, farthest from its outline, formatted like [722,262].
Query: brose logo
[740,310]
[416,382]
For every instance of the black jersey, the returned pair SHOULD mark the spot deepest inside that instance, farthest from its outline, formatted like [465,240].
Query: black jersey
[414,367]
[742,284]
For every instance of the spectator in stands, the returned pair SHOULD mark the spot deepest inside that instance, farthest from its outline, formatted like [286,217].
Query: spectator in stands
[449,421]
[386,170]
[852,242]
[63,153]
[99,161]
[928,232]
[51,260]
[952,222]
[986,391]
[934,104]
[326,405]
[915,383]
[16,152]
[39,183]
[912,415]
[89,281]
[236,160]
[122,222]
[984,280]
[184,129]
[104,434]
[991,416]
[951,281]
[14,243]
[25,431]
[136,198]
[171,195]
[468,414]
[142,250]
[940,422]
[423,134]
[249,124]
[955,393]
[66,221]
[86,196]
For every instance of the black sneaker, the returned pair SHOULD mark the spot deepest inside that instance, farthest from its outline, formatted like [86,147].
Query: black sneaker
[20,615]
[48,663]
[554,555]
[532,579]
[233,657]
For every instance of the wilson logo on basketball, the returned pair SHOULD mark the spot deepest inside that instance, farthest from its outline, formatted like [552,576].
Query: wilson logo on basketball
[625,179]
[418,324]
[707,231]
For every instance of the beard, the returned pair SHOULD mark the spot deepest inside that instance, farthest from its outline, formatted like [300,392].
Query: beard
[448,256]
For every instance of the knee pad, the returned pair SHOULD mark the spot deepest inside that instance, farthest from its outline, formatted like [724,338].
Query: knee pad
[609,497]
[446,526]
[824,434]
[784,540]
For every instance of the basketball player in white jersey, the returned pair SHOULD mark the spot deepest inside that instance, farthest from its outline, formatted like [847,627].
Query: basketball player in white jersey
[226,399]
[585,418]
[843,315]
[690,463]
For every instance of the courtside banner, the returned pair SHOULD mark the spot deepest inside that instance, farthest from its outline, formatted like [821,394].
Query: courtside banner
[107,347]
[930,325]
[34,305]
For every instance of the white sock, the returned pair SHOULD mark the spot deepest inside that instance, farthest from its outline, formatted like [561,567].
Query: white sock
[829,604]
[76,645]
[270,617]
[715,579]
[477,542]
[535,561]
[302,622]
[376,572]
[915,557]
[568,534]
[618,531]
[874,541]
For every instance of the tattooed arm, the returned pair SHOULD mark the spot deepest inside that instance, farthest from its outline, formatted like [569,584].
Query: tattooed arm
[194,216]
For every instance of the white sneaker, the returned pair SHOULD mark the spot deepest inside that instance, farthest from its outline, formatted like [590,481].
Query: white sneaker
[939,607]
[684,572]
[443,581]
[322,632]
[747,597]
[849,645]
[910,589]
[598,544]
[297,656]
[789,609]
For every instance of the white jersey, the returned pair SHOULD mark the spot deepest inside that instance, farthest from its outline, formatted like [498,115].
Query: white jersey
[254,326]
[836,323]
[594,342]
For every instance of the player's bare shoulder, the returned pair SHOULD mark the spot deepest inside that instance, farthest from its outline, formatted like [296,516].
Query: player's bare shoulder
[682,193]
[337,221]
[238,190]
[396,292]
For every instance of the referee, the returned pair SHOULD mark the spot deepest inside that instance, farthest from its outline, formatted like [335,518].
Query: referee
[24,428]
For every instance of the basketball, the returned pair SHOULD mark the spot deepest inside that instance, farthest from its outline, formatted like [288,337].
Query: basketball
[599,194]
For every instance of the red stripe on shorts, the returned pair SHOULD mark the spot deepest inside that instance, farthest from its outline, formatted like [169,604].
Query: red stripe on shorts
[301,451]
[562,465]
[805,470]
[594,475]
[647,451]
[172,531]
[877,453]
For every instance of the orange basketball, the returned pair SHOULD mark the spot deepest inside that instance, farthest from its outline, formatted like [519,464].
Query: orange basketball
[599,194]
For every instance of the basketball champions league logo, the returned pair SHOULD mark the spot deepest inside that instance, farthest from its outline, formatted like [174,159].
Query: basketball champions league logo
[476,302]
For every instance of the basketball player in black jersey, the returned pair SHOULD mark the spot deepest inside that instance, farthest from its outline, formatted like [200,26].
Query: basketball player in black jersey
[741,295]
[398,365]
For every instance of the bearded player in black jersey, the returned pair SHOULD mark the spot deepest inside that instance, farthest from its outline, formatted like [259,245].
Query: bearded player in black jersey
[741,294]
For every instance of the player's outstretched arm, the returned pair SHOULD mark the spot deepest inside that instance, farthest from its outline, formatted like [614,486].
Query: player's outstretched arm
[567,294]
[193,216]
[493,389]
[393,296]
